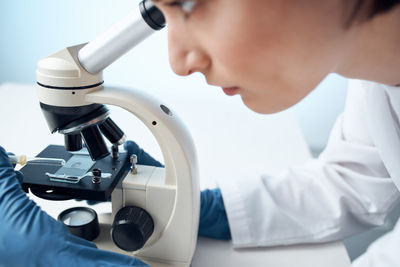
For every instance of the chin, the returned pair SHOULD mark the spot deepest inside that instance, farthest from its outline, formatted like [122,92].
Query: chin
[264,107]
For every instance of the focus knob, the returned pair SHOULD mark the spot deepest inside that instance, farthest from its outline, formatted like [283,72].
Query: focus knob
[132,227]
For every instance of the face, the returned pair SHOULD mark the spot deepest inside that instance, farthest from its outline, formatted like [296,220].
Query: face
[270,52]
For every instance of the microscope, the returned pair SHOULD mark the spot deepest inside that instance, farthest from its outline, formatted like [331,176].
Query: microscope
[155,211]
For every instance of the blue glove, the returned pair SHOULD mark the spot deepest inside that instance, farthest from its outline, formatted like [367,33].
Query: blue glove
[30,237]
[142,156]
[213,219]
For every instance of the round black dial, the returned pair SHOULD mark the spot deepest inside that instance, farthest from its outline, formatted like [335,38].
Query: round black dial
[132,227]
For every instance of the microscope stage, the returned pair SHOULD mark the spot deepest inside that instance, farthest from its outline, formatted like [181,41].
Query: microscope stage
[39,177]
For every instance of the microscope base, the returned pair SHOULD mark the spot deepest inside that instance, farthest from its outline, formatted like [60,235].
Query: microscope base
[103,241]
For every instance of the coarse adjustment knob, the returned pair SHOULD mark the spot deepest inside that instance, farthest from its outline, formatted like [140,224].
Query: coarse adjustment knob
[132,227]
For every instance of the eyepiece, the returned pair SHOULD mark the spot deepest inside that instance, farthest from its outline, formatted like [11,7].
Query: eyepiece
[152,15]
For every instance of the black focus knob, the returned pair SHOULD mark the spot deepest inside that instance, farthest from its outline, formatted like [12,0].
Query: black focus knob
[132,227]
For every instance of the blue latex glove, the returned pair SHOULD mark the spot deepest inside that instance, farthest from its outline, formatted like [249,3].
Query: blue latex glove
[213,219]
[142,156]
[30,237]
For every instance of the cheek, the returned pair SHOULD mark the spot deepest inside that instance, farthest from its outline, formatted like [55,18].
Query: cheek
[248,39]
[258,68]
[244,50]
[242,56]
[269,77]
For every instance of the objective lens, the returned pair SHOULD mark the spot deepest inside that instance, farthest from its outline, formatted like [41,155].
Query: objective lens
[73,142]
[95,143]
[112,132]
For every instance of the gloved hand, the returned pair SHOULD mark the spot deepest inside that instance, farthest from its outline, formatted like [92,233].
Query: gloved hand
[142,156]
[213,219]
[30,237]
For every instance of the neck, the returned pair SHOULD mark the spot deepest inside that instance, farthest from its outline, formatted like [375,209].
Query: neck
[372,50]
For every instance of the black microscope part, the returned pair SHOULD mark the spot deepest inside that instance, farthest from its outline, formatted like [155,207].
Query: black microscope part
[88,231]
[70,88]
[39,183]
[96,172]
[95,142]
[102,111]
[65,118]
[73,142]
[96,176]
[59,118]
[115,151]
[132,227]
[48,194]
[111,131]
[152,15]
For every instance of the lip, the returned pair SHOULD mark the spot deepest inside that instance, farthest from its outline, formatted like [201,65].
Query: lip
[230,91]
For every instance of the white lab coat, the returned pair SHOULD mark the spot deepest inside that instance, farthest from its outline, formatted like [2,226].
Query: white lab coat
[351,187]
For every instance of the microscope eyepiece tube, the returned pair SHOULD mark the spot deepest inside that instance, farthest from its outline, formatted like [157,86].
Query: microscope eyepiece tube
[121,37]
[95,143]
[152,15]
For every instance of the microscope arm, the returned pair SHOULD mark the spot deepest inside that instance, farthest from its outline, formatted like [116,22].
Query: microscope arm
[169,131]
[181,172]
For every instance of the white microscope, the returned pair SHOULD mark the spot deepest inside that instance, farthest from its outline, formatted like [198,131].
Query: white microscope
[155,210]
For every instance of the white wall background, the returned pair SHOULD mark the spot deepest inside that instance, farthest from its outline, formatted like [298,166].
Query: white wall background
[32,29]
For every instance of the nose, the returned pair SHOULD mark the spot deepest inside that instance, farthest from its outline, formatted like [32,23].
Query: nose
[185,56]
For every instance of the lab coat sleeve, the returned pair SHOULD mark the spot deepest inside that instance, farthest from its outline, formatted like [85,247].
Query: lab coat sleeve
[343,192]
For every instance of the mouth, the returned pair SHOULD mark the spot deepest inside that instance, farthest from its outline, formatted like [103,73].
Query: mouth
[230,91]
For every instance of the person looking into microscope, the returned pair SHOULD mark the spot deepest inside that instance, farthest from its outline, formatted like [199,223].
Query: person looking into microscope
[272,53]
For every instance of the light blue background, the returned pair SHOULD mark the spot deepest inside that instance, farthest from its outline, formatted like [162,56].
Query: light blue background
[32,29]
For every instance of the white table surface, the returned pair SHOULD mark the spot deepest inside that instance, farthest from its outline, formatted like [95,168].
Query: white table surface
[231,141]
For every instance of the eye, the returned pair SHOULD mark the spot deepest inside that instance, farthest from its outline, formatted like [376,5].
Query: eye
[187,6]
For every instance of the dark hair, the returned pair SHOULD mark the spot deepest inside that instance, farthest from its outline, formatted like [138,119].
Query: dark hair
[381,6]
[364,10]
